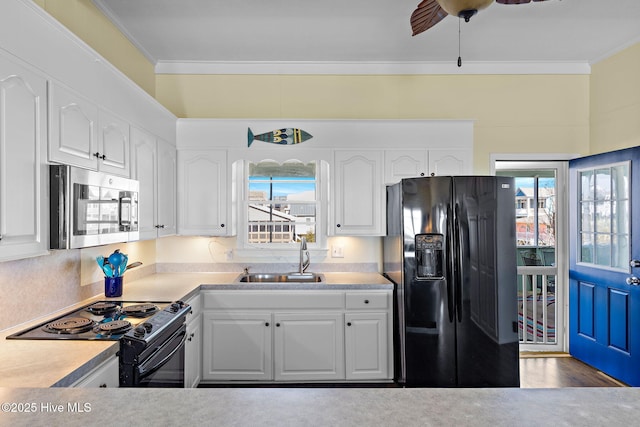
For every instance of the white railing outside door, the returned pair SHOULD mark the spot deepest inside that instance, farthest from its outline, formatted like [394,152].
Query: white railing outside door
[537,305]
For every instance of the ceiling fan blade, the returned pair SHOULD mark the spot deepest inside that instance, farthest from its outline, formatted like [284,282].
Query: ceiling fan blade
[516,1]
[428,14]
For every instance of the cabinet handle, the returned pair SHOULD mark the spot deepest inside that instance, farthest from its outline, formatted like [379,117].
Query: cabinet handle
[421,173]
[366,301]
[97,155]
[266,324]
[103,385]
[433,174]
[277,325]
[338,225]
[348,323]
[222,225]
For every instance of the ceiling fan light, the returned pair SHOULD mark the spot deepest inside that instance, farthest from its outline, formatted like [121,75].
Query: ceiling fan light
[463,7]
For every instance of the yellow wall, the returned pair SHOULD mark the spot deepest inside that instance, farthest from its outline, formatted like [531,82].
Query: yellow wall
[513,113]
[88,23]
[615,101]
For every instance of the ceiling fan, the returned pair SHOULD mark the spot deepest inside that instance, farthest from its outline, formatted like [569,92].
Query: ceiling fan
[430,12]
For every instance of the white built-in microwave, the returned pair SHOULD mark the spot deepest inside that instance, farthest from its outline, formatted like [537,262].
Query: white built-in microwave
[89,208]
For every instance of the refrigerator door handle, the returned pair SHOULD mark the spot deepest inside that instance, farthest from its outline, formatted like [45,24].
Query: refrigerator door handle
[450,266]
[458,262]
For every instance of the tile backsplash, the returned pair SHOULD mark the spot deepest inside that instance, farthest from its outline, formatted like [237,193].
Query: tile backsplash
[34,287]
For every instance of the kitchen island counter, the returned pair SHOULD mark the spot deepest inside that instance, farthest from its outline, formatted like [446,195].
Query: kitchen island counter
[47,363]
[323,406]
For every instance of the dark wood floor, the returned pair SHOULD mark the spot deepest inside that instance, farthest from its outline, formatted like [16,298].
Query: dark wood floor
[554,371]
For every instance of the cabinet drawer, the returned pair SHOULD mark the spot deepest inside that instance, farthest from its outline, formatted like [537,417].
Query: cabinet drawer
[196,307]
[266,300]
[367,300]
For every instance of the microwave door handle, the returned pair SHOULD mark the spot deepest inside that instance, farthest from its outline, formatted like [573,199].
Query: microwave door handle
[125,214]
[145,371]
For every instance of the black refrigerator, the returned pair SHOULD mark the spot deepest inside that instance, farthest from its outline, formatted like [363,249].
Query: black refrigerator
[450,249]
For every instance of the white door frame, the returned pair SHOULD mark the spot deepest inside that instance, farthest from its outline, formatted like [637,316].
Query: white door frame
[559,162]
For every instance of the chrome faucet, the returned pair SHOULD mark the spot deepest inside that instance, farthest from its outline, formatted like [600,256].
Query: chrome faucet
[303,251]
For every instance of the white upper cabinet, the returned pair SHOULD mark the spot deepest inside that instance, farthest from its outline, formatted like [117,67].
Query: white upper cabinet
[144,163]
[399,164]
[167,189]
[83,135]
[23,200]
[153,165]
[358,193]
[450,162]
[113,144]
[203,196]
[73,136]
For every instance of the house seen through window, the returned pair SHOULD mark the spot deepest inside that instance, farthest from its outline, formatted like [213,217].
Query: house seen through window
[281,202]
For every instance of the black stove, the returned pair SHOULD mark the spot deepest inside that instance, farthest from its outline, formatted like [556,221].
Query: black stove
[102,320]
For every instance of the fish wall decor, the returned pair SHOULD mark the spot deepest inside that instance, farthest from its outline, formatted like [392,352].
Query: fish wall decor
[288,136]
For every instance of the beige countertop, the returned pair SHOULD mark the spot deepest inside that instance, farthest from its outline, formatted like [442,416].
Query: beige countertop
[46,363]
[335,407]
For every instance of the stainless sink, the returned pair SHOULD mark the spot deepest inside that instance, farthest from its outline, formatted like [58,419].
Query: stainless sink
[280,278]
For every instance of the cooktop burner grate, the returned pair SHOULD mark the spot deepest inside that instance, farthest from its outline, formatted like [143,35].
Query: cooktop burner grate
[140,310]
[114,327]
[69,325]
[101,308]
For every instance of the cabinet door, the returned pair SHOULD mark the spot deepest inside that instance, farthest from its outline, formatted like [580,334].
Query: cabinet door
[193,353]
[144,168]
[450,162]
[359,193]
[113,144]
[105,375]
[366,346]
[237,346]
[399,164]
[23,199]
[309,347]
[73,129]
[202,195]
[167,174]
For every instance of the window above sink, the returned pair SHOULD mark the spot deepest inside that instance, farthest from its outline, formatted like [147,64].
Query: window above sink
[281,203]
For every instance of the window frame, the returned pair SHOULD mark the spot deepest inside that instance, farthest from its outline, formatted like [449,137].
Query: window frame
[244,246]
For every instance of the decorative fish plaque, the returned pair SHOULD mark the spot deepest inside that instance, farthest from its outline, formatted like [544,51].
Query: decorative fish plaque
[288,136]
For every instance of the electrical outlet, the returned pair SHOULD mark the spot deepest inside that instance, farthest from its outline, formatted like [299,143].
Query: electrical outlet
[229,254]
[337,252]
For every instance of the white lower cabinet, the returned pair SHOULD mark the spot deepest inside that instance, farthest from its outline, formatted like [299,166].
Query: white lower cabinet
[296,336]
[308,347]
[366,346]
[105,375]
[193,353]
[237,346]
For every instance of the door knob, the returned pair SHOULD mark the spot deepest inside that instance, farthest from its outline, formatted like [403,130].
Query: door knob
[633,280]
[634,263]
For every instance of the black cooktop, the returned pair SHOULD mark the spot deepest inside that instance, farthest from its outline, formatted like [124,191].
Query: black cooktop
[101,320]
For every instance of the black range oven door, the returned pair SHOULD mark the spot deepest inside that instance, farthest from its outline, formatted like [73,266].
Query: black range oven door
[156,366]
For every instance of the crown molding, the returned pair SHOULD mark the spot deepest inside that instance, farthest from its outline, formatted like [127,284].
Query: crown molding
[370,68]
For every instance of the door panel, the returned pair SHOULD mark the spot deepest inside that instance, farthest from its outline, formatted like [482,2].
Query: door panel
[605,309]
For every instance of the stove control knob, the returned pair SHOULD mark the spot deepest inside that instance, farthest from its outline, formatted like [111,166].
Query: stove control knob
[147,326]
[139,331]
[176,306]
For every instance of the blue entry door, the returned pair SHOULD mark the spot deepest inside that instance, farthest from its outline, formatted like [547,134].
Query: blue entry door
[604,266]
